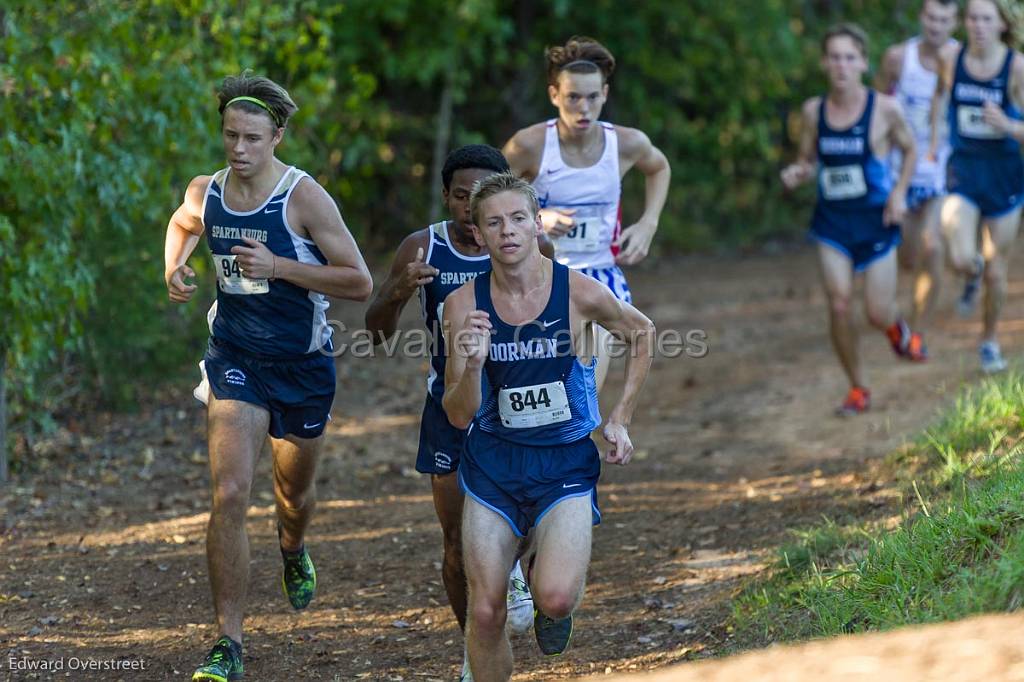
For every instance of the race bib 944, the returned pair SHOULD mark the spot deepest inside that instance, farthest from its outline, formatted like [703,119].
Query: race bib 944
[530,406]
[230,278]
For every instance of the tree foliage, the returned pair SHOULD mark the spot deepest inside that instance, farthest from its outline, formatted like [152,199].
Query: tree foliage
[109,109]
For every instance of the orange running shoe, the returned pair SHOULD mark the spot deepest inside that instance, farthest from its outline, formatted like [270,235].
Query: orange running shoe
[916,350]
[858,401]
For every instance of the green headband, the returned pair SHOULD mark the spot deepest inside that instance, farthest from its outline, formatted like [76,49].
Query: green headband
[257,102]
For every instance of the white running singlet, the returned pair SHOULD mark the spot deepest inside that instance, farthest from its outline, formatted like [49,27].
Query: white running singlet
[914,92]
[593,191]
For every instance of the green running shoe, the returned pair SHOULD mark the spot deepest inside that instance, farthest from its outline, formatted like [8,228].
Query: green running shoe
[223,663]
[298,578]
[552,635]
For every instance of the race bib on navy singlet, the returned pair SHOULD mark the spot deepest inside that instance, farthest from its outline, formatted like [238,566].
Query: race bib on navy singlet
[971,121]
[530,406]
[843,182]
[585,234]
[230,278]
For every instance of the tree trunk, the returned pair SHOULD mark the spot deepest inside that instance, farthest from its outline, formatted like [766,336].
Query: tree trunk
[3,416]
[442,138]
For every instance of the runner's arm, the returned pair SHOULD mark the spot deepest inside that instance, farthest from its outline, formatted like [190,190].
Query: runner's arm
[802,170]
[346,275]
[939,99]
[902,138]
[995,115]
[467,342]
[408,273]
[892,69]
[183,232]
[523,151]
[595,302]
[636,150]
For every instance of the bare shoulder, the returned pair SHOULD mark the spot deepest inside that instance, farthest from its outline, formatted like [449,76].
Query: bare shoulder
[1017,66]
[460,302]
[810,109]
[309,191]
[949,52]
[413,242]
[197,187]
[633,142]
[530,138]
[892,60]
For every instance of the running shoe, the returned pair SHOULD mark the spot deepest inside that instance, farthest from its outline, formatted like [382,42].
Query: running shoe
[467,674]
[991,357]
[858,401]
[552,635]
[916,351]
[972,285]
[520,601]
[299,576]
[223,663]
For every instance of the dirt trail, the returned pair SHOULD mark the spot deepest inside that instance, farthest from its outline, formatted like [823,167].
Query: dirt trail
[103,554]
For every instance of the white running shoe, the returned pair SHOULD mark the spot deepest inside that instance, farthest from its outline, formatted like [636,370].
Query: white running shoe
[520,601]
[991,357]
[467,674]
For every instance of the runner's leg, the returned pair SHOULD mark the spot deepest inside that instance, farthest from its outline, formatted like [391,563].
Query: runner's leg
[236,431]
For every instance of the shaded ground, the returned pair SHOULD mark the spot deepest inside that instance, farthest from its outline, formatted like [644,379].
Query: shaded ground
[103,554]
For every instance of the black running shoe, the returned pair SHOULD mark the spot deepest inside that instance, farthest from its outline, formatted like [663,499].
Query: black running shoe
[552,635]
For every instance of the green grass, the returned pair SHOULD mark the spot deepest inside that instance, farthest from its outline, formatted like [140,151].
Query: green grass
[959,549]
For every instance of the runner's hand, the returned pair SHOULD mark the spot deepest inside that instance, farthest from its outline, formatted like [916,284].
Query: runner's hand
[557,222]
[635,242]
[255,261]
[473,342]
[617,435]
[795,175]
[417,273]
[996,117]
[895,208]
[177,289]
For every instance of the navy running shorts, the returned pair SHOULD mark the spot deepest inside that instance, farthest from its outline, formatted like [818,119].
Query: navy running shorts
[522,483]
[297,392]
[440,442]
[860,234]
[994,185]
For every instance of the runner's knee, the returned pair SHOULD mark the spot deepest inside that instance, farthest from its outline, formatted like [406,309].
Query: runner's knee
[230,496]
[488,611]
[839,305]
[554,601]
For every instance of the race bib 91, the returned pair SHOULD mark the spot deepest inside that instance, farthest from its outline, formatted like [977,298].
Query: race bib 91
[843,182]
[530,406]
[585,234]
[231,281]
[971,121]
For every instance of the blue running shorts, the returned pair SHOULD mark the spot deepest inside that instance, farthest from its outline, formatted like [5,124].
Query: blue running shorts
[440,442]
[523,483]
[994,185]
[298,392]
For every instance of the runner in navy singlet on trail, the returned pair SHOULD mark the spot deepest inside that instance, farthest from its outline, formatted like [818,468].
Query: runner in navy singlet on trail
[910,73]
[576,162]
[846,135]
[279,248]
[434,262]
[984,84]
[518,378]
